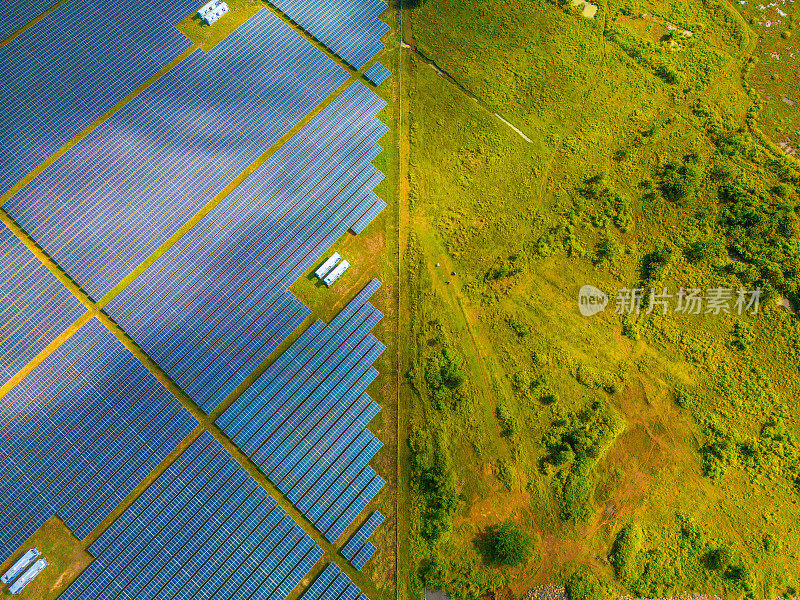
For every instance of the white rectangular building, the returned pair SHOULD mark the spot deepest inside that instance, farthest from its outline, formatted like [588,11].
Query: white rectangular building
[18,566]
[213,10]
[327,265]
[336,273]
[27,576]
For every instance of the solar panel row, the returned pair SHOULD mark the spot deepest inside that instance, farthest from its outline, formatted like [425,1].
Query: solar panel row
[72,66]
[350,28]
[204,529]
[377,73]
[18,13]
[35,308]
[216,303]
[333,584]
[363,555]
[123,190]
[376,205]
[79,433]
[303,421]
[359,539]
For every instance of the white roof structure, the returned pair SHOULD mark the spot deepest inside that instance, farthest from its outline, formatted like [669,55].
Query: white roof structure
[28,576]
[336,273]
[18,566]
[212,11]
[327,265]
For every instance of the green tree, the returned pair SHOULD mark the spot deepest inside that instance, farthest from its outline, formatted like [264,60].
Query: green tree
[583,584]
[511,545]
[719,559]
[678,181]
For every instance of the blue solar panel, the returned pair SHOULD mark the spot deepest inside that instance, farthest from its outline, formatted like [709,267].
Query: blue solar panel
[376,205]
[366,552]
[216,303]
[116,196]
[333,584]
[377,73]
[303,421]
[35,307]
[18,13]
[351,28]
[79,433]
[203,529]
[72,66]
[361,536]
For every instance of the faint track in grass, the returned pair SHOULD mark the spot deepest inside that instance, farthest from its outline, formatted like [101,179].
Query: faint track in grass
[447,76]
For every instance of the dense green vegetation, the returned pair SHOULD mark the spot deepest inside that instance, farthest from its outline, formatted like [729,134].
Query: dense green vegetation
[511,545]
[646,453]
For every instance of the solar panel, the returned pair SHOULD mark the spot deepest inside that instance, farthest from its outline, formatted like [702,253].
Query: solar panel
[377,73]
[333,584]
[366,552]
[350,28]
[79,433]
[35,307]
[216,303]
[303,421]
[117,195]
[361,536]
[19,12]
[72,66]
[203,529]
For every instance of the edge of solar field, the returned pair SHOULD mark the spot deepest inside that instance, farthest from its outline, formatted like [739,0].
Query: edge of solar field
[92,307]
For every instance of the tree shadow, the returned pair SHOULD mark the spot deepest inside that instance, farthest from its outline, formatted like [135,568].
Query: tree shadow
[482,542]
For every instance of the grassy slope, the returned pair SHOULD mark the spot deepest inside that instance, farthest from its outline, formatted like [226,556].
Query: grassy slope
[480,194]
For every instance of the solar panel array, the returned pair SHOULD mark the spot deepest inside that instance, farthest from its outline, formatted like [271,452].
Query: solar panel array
[19,13]
[358,550]
[35,308]
[89,423]
[303,421]
[350,28]
[363,555]
[75,64]
[205,529]
[376,205]
[377,73]
[79,433]
[123,190]
[333,584]
[216,304]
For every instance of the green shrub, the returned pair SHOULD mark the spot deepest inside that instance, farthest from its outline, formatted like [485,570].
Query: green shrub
[743,335]
[433,573]
[444,377]
[576,492]
[719,559]
[655,265]
[507,419]
[431,475]
[677,181]
[625,550]
[511,545]
[583,584]
[606,250]
[682,398]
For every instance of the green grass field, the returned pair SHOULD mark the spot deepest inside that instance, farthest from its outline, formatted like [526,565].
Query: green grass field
[659,451]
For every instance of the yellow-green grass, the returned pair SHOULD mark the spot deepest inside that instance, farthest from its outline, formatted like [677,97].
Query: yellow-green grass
[479,194]
[773,76]
[66,559]
[208,36]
